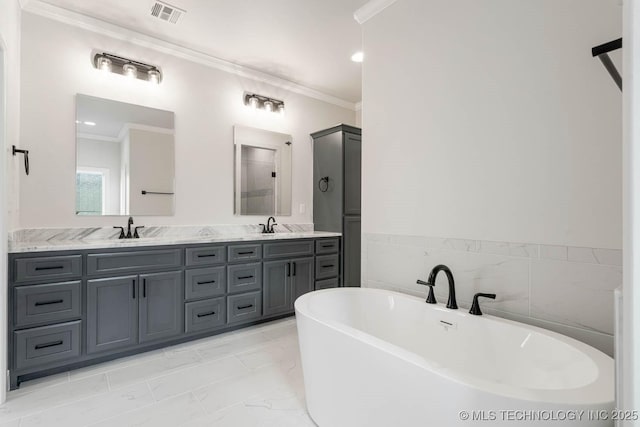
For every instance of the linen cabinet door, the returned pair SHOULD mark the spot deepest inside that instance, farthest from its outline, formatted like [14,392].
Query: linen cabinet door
[112,313]
[161,306]
[276,289]
[302,277]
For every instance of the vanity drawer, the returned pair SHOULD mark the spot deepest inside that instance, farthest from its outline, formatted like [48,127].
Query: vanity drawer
[244,307]
[55,268]
[244,277]
[327,284]
[288,249]
[327,266]
[206,255]
[205,282]
[124,262]
[327,246]
[47,303]
[47,344]
[245,252]
[207,314]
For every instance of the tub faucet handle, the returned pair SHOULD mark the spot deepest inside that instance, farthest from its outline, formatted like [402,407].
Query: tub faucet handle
[431,298]
[475,307]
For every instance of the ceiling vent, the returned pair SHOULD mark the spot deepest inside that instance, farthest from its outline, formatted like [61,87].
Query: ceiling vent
[166,12]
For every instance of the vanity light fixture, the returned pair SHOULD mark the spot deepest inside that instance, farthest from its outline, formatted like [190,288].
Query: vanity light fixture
[262,102]
[127,67]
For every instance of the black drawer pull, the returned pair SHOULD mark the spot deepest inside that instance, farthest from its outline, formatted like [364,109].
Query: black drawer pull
[242,307]
[58,301]
[56,267]
[245,253]
[294,268]
[245,277]
[208,282]
[211,313]
[49,344]
[328,246]
[328,266]
[207,255]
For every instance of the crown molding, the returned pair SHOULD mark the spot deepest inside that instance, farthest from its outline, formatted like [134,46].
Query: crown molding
[371,9]
[66,16]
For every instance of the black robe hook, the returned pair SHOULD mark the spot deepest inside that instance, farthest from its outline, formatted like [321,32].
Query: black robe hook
[26,157]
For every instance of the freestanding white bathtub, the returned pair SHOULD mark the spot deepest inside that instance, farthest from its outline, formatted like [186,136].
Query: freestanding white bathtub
[378,358]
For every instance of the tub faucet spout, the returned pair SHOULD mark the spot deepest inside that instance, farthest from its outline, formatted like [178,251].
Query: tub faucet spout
[452,304]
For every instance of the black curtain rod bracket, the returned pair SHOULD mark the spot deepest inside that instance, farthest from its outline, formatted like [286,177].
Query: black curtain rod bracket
[26,157]
[602,52]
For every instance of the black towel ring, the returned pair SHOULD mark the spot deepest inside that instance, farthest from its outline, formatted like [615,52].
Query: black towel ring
[324,180]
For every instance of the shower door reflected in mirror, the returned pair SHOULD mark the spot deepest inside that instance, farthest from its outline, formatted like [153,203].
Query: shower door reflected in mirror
[124,158]
[262,172]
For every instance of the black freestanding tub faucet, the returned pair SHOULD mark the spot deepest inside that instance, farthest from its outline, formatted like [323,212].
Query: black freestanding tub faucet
[452,304]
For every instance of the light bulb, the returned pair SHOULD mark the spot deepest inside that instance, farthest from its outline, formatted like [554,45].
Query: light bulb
[357,57]
[281,108]
[154,76]
[268,105]
[130,71]
[253,102]
[104,64]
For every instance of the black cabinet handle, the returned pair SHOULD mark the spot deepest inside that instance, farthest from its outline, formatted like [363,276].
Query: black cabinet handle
[211,313]
[207,255]
[49,344]
[245,253]
[287,267]
[294,268]
[207,282]
[242,307]
[58,301]
[56,267]
[133,286]
[144,288]
[327,246]
[328,266]
[245,277]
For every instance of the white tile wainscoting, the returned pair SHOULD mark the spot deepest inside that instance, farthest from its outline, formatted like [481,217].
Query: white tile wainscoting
[562,288]
[243,378]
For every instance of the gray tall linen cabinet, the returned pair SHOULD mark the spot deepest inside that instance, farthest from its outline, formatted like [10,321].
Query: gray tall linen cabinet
[337,160]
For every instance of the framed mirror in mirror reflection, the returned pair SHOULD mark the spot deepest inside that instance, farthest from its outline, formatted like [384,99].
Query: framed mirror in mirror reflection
[262,184]
[125,158]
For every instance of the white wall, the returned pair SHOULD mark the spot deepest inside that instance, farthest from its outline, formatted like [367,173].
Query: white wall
[9,129]
[207,103]
[492,143]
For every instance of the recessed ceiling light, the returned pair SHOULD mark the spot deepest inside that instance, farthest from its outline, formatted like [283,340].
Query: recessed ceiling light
[357,57]
[90,123]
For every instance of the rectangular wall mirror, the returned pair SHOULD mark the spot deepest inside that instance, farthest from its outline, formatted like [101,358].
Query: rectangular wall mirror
[124,158]
[262,172]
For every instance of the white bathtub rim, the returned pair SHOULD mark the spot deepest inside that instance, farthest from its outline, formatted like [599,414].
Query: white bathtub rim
[587,395]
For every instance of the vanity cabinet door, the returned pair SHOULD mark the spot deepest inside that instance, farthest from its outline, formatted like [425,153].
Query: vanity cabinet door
[161,306]
[302,278]
[276,289]
[112,313]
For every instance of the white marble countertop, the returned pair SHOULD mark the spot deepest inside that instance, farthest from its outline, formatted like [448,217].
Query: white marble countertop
[75,240]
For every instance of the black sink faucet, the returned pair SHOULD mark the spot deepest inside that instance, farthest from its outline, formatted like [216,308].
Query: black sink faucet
[268,229]
[129,224]
[475,307]
[452,304]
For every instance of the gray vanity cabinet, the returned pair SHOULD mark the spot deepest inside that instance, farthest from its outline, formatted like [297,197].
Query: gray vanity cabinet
[112,313]
[161,305]
[284,281]
[123,311]
[75,308]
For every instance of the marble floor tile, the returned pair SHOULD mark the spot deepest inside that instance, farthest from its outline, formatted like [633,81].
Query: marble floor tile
[93,409]
[173,412]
